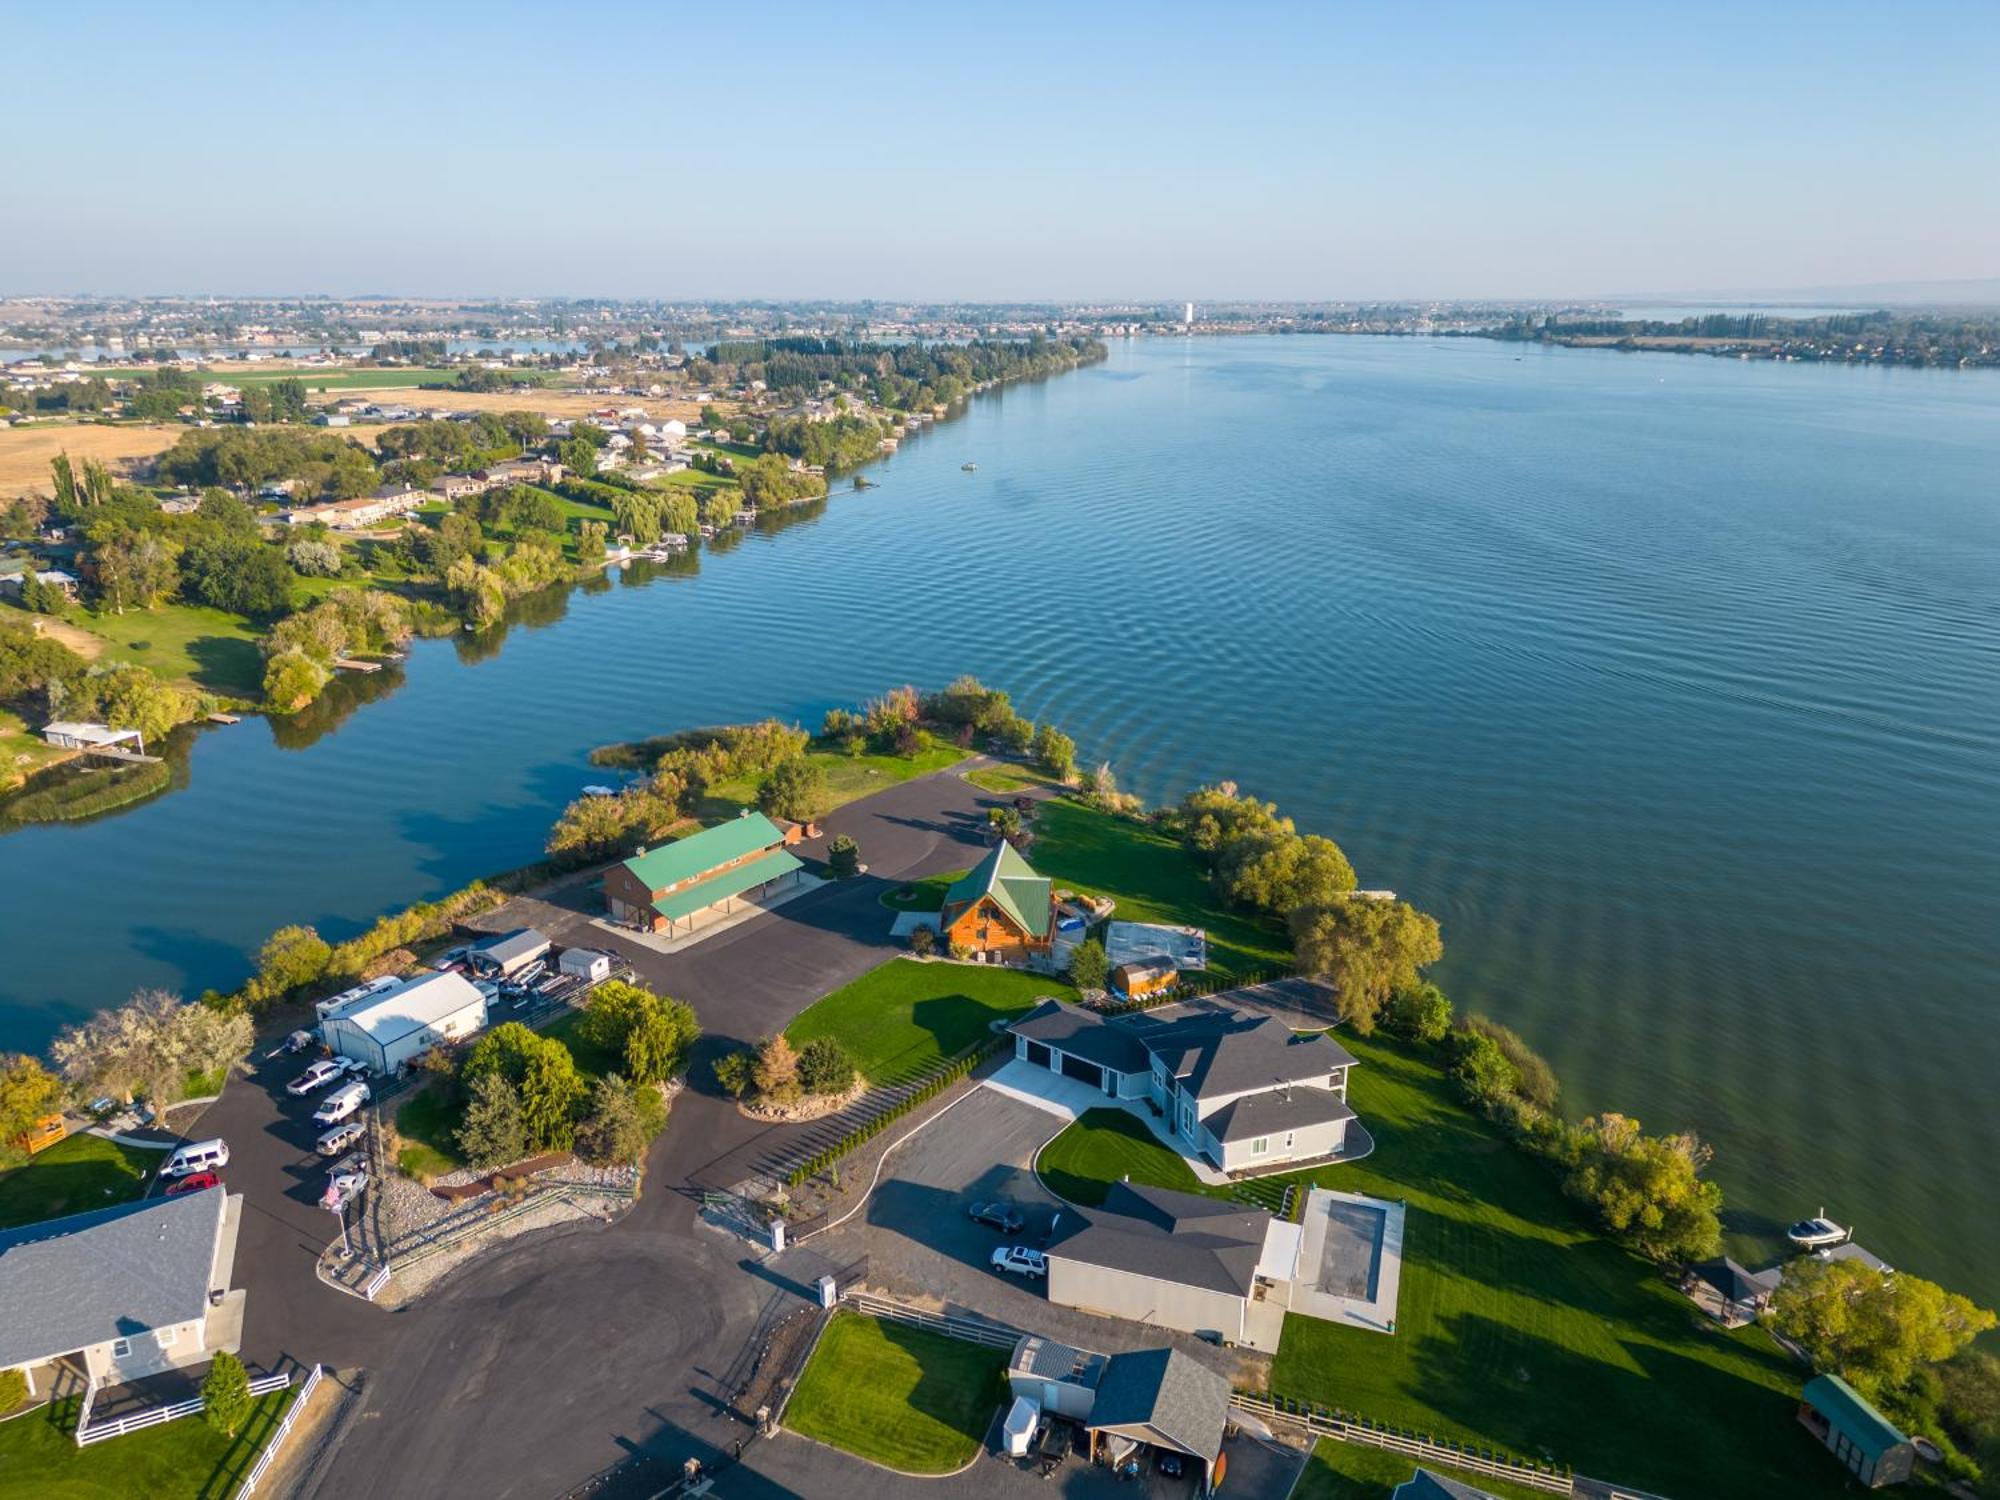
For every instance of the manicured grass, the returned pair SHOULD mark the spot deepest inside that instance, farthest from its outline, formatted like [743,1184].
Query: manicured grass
[1004,778]
[180,1460]
[1520,1328]
[428,1124]
[76,1174]
[908,1017]
[922,895]
[1344,1471]
[899,1396]
[1153,878]
[22,751]
[1103,1146]
[191,642]
[847,777]
[591,1060]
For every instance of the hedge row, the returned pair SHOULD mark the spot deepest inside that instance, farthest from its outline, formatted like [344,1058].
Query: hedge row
[861,1134]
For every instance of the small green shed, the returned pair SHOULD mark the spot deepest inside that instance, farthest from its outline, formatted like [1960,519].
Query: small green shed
[1867,1442]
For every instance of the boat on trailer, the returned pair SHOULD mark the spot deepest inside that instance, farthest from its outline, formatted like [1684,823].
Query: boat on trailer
[1816,1233]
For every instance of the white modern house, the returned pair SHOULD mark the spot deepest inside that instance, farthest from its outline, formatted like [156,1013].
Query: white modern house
[1238,1091]
[122,1293]
[395,1026]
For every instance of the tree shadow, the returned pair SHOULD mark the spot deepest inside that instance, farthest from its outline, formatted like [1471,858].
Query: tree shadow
[226,664]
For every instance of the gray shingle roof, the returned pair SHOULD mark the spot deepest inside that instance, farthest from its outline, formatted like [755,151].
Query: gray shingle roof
[1045,1359]
[1182,1400]
[1734,1281]
[1266,1114]
[1178,1237]
[1215,1050]
[1085,1034]
[69,1283]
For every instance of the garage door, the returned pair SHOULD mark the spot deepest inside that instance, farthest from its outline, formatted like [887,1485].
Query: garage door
[1086,1072]
[1039,1055]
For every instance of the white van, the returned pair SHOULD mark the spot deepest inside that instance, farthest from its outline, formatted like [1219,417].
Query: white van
[197,1156]
[341,1103]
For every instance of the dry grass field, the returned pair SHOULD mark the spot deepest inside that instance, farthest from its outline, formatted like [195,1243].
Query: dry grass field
[550,403]
[25,452]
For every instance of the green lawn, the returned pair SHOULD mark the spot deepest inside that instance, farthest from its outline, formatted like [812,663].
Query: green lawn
[428,1124]
[899,1396]
[1520,1328]
[78,1173]
[180,1460]
[212,649]
[847,777]
[1343,1471]
[22,751]
[591,1060]
[921,895]
[907,1017]
[1007,778]
[1153,878]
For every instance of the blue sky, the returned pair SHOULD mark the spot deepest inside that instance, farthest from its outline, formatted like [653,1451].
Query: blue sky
[1006,151]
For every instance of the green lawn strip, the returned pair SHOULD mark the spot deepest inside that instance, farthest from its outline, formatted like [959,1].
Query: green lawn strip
[1519,1329]
[76,1174]
[428,1124]
[208,647]
[1007,779]
[847,777]
[1153,878]
[184,1459]
[1103,1146]
[899,1396]
[906,1018]
[921,895]
[1346,1471]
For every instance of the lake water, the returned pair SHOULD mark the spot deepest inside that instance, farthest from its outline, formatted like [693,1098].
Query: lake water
[1671,685]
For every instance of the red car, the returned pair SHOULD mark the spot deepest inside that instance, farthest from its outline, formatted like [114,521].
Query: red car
[194,1184]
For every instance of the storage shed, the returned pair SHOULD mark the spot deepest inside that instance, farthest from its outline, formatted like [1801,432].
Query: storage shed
[1144,978]
[508,954]
[1868,1443]
[586,962]
[391,1029]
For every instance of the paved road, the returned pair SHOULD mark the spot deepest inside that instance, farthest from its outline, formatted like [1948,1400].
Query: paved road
[554,1357]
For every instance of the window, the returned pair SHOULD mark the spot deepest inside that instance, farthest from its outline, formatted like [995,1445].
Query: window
[121,1348]
[165,1337]
[1260,1145]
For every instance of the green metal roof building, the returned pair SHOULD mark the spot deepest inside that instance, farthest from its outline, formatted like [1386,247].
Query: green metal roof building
[675,888]
[1001,885]
[1867,1442]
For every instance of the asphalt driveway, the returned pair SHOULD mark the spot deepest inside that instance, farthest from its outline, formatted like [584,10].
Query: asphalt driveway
[565,1350]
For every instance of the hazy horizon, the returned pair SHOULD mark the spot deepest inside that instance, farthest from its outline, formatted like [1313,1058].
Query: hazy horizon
[896,153]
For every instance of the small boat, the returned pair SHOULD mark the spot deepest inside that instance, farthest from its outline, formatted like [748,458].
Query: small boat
[968,467]
[1816,1233]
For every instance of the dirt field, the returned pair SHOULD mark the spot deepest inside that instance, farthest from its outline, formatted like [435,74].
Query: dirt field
[25,452]
[550,403]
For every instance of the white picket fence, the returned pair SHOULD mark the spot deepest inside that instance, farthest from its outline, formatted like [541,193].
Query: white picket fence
[970,1330]
[153,1416]
[270,1453]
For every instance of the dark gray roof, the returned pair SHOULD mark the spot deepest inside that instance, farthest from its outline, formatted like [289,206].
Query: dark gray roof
[1085,1034]
[1045,1359]
[1178,1237]
[1216,1051]
[1424,1485]
[1281,1109]
[69,1283]
[1734,1281]
[1179,1398]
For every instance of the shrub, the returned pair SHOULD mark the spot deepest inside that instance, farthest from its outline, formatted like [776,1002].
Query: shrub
[1417,1013]
[961,951]
[1089,966]
[1534,1079]
[492,1129]
[776,1070]
[226,1390]
[825,1067]
[1480,1068]
[843,857]
[735,1072]
[291,957]
[612,1133]
[795,789]
[923,941]
[1055,752]
[13,1390]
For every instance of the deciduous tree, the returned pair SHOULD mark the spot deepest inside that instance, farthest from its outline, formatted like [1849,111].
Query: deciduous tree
[225,1393]
[1876,1331]
[1365,949]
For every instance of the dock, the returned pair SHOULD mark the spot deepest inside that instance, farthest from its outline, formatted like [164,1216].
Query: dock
[350,664]
[222,718]
[113,752]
